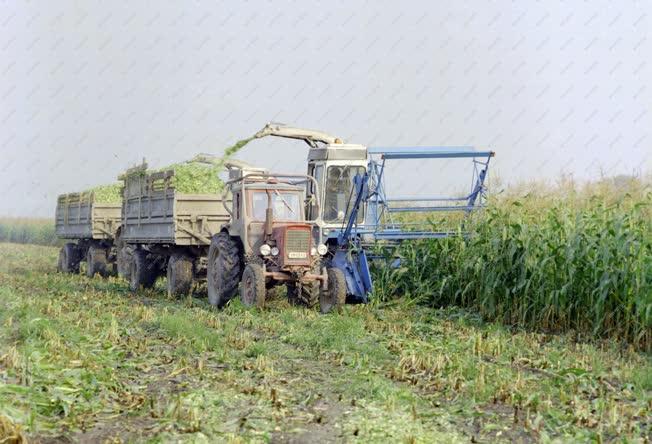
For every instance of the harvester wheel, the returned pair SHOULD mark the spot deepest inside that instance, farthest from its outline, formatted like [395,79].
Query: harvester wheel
[68,259]
[335,296]
[96,261]
[307,297]
[253,291]
[179,274]
[143,271]
[224,269]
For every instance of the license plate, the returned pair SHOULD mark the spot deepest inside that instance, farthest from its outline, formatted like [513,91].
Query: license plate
[297,255]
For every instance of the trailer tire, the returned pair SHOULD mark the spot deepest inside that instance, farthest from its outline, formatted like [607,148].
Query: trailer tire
[68,259]
[143,271]
[253,290]
[224,269]
[96,261]
[307,297]
[179,274]
[334,297]
[123,256]
[123,262]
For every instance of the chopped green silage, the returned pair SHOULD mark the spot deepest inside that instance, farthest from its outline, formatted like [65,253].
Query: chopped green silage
[196,178]
[202,178]
[107,193]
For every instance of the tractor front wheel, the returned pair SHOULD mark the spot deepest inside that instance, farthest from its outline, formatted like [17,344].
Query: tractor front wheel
[334,297]
[307,296]
[253,291]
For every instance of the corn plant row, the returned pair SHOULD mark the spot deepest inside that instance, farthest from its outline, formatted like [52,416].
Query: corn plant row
[559,263]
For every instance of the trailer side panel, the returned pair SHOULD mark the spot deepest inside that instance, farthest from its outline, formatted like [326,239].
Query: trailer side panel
[79,217]
[154,213]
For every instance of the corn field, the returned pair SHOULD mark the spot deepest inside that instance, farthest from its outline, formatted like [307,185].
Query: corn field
[28,231]
[556,261]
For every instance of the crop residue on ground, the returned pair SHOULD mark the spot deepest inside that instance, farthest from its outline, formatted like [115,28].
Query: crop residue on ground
[85,359]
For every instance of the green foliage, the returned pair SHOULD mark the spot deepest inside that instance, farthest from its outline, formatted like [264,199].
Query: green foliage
[28,231]
[556,263]
[107,193]
[196,178]
[201,178]
[230,151]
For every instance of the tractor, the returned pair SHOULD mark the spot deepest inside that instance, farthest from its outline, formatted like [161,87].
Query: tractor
[269,242]
[358,212]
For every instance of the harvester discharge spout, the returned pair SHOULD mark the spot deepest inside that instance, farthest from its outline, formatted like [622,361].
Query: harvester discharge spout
[311,137]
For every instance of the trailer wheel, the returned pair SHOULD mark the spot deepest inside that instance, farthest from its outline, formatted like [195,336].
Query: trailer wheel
[179,274]
[60,261]
[224,269]
[68,259]
[123,256]
[307,297]
[335,296]
[143,272]
[253,291]
[96,261]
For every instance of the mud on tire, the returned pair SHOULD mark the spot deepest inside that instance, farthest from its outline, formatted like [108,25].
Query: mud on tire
[224,269]
[335,296]
[308,296]
[252,288]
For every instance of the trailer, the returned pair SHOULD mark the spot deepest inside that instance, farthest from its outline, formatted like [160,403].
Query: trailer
[91,227]
[165,232]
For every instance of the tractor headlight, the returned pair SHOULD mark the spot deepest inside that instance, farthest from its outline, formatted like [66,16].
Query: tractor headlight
[265,249]
[275,251]
[322,249]
[313,251]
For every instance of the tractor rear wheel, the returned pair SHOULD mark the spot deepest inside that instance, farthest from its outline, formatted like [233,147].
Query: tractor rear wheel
[179,274]
[253,291]
[334,297]
[224,269]
[96,261]
[68,259]
[143,271]
[307,296]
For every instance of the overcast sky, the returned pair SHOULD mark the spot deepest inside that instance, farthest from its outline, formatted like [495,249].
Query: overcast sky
[90,88]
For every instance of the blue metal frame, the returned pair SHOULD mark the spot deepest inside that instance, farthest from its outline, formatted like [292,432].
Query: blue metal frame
[349,255]
[380,206]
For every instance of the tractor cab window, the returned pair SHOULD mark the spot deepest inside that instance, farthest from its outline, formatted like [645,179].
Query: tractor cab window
[338,193]
[286,206]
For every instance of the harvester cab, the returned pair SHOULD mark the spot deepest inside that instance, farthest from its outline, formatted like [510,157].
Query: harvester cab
[269,242]
[333,164]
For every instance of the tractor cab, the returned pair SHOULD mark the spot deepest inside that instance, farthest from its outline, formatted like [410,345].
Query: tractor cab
[269,217]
